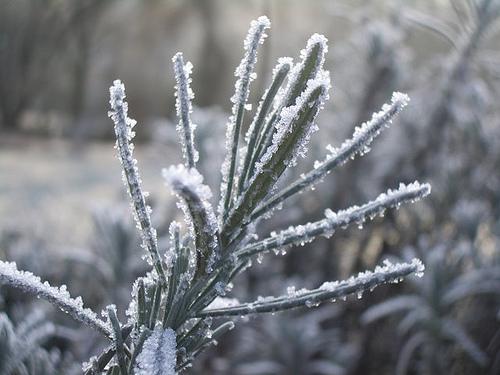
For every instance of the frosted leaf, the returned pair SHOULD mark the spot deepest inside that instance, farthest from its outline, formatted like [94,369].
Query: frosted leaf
[198,212]
[184,95]
[131,178]
[60,297]
[171,253]
[158,355]
[287,96]
[358,144]
[365,134]
[328,291]
[289,115]
[244,73]
[301,234]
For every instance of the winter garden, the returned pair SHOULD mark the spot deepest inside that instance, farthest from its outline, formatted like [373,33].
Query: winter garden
[332,212]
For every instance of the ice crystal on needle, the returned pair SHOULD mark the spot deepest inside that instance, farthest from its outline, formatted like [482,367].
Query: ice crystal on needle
[131,178]
[158,355]
[244,72]
[184,95]
[26,281]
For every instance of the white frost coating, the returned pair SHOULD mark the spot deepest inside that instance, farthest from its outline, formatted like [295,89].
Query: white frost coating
[328,291]
[302,234]
[171,253]
[131,178]
[289,114]
[60,297]
[244,72]
[195,196]
[364,278]
[358,144]
[282,61]
[365,134]
[158,355]
[285,97]
[221,302]
[184,94]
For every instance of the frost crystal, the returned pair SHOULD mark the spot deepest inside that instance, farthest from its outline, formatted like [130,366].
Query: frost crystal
[131,178]
[244,72]
[184,95]
[358,144]
[198,212]
[289,115]
[364,281]
[158,355]
[301,234]
[60,297]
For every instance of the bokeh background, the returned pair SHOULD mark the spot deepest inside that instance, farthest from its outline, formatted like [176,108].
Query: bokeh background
[64,214]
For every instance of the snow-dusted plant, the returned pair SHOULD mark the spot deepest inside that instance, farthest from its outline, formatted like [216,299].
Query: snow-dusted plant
[170,317]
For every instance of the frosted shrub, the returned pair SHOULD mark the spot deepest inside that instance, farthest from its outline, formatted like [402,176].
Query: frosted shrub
[170,317]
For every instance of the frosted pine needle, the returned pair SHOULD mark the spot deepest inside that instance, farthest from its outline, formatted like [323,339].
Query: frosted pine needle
[301,234]
[198,212]
[245,73]
[131,178]
[328,291]
[359,144]
[184,95]
[60,297]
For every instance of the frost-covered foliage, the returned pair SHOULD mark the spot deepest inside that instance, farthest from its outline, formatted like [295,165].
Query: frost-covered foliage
[170,319]
[23,348]
[428,323]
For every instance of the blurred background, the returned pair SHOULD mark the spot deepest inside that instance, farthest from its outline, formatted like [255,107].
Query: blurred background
[65,217]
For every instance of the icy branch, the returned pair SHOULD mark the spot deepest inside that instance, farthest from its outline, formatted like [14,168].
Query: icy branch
[368,280]
[299,235]
[184,95]
[60,297]
[244,72]
[124,135]
[359,144]
[201,220]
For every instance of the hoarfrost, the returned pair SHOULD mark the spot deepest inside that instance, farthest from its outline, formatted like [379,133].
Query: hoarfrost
[158,355]
[194,201]
[301,234]
[60,297]
[184,94]
[131,177]
[255,36]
